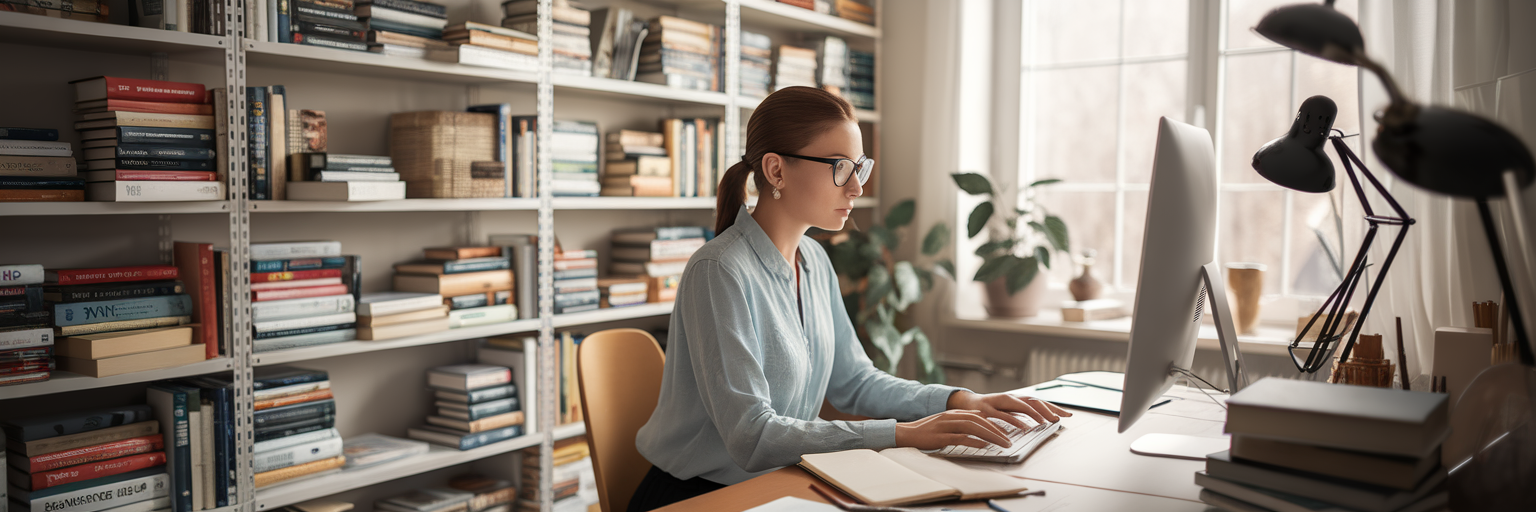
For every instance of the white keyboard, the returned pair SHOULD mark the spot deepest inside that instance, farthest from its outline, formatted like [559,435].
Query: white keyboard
[1024,442]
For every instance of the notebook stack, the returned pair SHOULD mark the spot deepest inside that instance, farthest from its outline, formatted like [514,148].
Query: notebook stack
[113,457]
[477,44]
[490,495]
[302,294]
[574,486]
[381,316]
[1300,445]
[477,404]
[26,330]
[336,177]
[474,282]
[618,292]
[103,335]
[657,254]
[147,140]
[637,165]
[795,66]
[323,23]
[572,32]
[198,416]
[295,425]
[861,79]
[434,499]
[756,65]
[831,62]
[576,281]
[35,166]
[576,148]
[683,54]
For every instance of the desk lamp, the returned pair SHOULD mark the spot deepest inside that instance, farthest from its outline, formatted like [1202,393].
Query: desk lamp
[1439,149]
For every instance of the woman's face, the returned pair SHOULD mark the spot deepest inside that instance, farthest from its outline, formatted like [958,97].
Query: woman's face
[809,192]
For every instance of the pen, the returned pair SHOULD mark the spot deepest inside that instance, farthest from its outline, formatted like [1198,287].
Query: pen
[994,506]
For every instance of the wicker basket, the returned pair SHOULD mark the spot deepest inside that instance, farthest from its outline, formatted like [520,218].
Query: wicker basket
[446,154]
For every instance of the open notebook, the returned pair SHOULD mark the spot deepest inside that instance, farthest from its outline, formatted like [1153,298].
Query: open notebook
[906,476]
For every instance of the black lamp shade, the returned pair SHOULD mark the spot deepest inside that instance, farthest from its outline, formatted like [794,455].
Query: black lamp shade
[1316,30]
[1296,160]
[1453,152]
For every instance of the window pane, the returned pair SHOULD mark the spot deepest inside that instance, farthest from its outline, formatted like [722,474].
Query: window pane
[1242,15]
[1073,129]
[1156,27]
[1090,219]
[1151,91]
[1251,228]
[1134,228]
[1256,110]
[1316,263]
[1076,31]
[1338,82]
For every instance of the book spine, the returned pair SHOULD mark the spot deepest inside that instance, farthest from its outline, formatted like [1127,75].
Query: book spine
[181,447]
[307,9]
[293,275]
[580,273]
[256,127]
[113,275]
[289,324]
[104,451]
[454,267]
[46,134]
[25,338]
[292,429]
[38,166]
[95,437]
[305,330]
[311,396]
[178,136]
[208,301]
[480,412]
[298,293]
[25,319]
[297,264]
[34,148]
[21,275]
[488,394]
[339,161]
[477,440]
[123,325]
[476,300]
[291,472]
[228,492]
[119,310]
[289,380]
[291,441]
[154,107]
[302,28]
[422,8]
[46,479]
[295,455]
[145,164]
[76,424]
[164,152]
[326,251]
[280,309]
[284,31]
[106,496]
[154,90]
[156,175]
[295,413]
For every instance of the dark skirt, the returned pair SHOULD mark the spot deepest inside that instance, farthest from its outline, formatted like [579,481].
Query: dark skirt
[659,489]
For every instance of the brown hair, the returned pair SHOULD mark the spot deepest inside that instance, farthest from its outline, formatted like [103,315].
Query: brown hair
[787,120]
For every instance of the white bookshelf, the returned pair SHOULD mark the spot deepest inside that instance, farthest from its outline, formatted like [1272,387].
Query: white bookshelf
[330,60]
[99,208]
[62,381]
[30,29]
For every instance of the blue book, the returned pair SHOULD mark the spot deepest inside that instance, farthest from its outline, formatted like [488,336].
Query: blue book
[146,135]
[43,427]
[29,134]
[503,112]
[270,377]
[170,404]
[260,266]
[455,439]
[256,147]
[472,412]
[220,393]
[303,330]
[81,313]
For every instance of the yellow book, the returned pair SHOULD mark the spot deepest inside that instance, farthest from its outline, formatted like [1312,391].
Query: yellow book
[480,425]
[143,361]
[113,344]
[291,472]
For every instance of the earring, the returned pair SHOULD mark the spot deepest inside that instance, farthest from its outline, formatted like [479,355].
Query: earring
[776,193]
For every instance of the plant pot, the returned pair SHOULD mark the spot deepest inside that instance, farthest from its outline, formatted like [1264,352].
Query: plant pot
[1024,304]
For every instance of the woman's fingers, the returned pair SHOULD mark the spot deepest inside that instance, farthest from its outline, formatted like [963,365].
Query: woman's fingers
[1059,411]
[1012,404]
[962,440]
[1043,408]
[990,435]
[981,419]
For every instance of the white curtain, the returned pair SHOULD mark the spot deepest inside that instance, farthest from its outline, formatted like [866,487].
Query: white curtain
[1453,53]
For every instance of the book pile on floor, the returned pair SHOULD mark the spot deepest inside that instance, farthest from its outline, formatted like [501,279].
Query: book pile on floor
[385,315]
[576,147]
[1301,445]
[336,177]
[197,419]
[683,54]
[477,404]
[474,282]
[637,165]
[616,42]
[147,140]
[102,336]
[756,65]
[490,495]
[696,148]
[295,424]
[112,457]
[618,292]
[658,254]
[302,294]
[323,23]
[26,332]
[489,46]
[574,486]
[831,62]
[572,32]
[794,66]
[575,281]
[861,79]
[35,166]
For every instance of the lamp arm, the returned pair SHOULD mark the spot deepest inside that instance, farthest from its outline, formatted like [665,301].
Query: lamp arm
[1401,109]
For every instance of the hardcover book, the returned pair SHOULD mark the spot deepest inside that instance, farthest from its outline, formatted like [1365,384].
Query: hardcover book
[110,88]
[43,427]
[468,376]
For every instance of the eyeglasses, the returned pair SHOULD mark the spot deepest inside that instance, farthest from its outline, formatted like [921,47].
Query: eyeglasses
[842,168]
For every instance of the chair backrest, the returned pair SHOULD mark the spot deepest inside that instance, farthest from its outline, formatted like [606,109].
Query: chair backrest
[619,373]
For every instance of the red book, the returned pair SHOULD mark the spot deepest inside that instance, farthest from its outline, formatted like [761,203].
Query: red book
[12,291]
[306,283]
[27,365]
[121,175]
[153,107]
[109,275]
[136,89]
[194,262]
[299,293]
[295,275]
[24,378]
[104,451]
[28,195]
[46,479]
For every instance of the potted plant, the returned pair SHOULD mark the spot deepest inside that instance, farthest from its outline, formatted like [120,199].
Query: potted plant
[1013,255]
[878,289]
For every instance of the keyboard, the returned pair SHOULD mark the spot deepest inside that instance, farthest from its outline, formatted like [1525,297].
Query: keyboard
[1024,443]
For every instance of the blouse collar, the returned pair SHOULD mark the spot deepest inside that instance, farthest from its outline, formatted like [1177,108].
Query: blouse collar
[758,240]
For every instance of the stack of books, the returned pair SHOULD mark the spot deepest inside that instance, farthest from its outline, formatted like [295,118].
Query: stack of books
[618,292]
[276,135]
[477,404]
[1301,445]
[408,17]
[576,148]
[433,499]
[35,166]
[861,79]
[795,66]
[831,62]
[103,336]
[295,425]
[575,485]
[572,32]
[381,316]
[109,458]
[323,23]
[696,148]
[518,354]
[683,54]
[197,416]
[616,42]
[756,65]
[490,495]
[336,177]
[26,333]
[856,10]
[147,140]
[489,43]
[575,281]
[302,294]
[637,165]
[478,291]
[658,254]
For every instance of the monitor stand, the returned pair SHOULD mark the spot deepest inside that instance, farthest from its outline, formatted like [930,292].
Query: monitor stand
[1180,446]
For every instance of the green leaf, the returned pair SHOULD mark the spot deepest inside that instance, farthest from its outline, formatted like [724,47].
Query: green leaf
[1047,181]
[870,253]
[1021,273]
[879,284]
[925,276]
[988,248]
[937,238]
[948,266]
[994,267]
[1056,232]
[908,284]
[978,219]
[901,214]
[885,337]
[1044,255]
[924,351]
[884,313]
[972,183]
[882,236]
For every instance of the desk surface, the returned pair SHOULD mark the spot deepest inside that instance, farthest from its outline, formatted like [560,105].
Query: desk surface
[1089,466]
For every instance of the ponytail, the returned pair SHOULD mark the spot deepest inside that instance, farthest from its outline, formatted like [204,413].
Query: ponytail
[732,194]
[787,120]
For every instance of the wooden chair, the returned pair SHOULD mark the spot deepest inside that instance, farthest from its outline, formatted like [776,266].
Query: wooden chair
[619,373]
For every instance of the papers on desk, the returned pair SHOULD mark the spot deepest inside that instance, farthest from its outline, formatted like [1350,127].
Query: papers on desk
[1094,391]
[793,504]
[906,476]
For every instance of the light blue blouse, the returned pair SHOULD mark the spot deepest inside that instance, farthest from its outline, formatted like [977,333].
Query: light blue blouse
[745,378]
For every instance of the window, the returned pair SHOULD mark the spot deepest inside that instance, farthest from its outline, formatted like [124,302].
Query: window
[1097,75]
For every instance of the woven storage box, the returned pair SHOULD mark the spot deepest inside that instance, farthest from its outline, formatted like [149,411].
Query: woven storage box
[446,154]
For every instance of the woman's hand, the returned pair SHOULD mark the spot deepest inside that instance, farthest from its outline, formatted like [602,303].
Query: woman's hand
[1003,406]
[948,428]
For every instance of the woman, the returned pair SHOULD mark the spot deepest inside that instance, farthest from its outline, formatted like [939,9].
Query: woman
[759,336]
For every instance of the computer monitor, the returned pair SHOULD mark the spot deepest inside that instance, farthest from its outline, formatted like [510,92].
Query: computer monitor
[1177,279]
